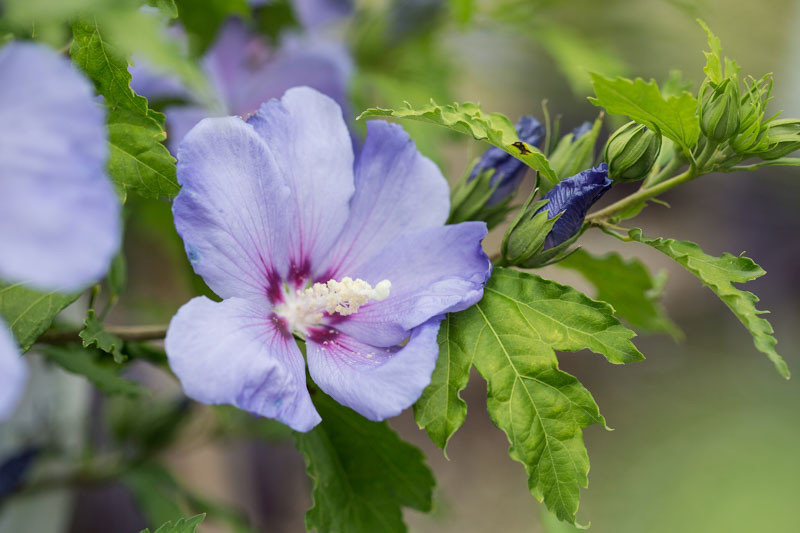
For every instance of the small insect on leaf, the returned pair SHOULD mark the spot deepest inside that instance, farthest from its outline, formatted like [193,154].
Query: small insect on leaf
[522,147]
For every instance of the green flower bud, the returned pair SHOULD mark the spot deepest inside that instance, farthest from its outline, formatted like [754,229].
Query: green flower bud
[783,137]
[470,200]
[719,111]
[527,233]
[751,136]
[631,152]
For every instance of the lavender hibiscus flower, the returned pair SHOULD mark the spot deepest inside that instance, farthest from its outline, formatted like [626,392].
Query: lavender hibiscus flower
[298,238]
[243,71]
[59,215]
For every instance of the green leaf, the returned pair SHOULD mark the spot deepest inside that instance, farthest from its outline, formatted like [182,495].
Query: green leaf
[363,473]
[138,160]
[89,363]
[440,411]
[510,337]
[718,274]
[675,116]
[29,313]
[202,18]
[494,128]
[628,286]
[165,7]
[462,10]
[93,334]
[714,61]
[184,525]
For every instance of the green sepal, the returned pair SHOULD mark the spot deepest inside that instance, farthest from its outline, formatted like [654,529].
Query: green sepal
[469,197]
[571,155]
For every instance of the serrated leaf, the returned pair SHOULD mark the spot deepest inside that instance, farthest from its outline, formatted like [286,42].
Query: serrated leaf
[628,286]
[93,334]
[674,116]
[718,274]
[138,160]
[713,68]
[363,473]
[510,337]
[29,313]
[88,363]
[184,525]
[440,411]
[494,128]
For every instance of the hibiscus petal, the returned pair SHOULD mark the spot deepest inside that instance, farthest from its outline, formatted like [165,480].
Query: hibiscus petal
[308,60]
[13,373]
[59,215]
[232,209]
[376,382]
[397,190]
[433,271]
[231,352]
[306,132]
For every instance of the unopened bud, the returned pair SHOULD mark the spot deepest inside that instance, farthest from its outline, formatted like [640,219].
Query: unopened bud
[783,137]
[631,152]
[719,111]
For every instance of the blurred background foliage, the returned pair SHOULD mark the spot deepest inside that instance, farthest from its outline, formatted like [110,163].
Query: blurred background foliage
[705,432]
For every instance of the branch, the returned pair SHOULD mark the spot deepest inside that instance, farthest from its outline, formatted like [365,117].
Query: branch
[126,333]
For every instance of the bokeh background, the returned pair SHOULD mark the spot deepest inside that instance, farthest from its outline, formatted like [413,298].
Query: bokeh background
[705,431]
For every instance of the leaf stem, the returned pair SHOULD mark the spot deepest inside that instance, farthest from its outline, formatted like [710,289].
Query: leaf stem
[126,333]
[642,194]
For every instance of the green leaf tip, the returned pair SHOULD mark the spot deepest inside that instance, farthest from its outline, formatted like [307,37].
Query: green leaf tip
[719,274]
[467,118]
[183,525]
[510,337]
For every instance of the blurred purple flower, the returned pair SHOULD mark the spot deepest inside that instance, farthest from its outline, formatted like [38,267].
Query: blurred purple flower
[315,13]
[59,215]
[243,71]
[581,130]
[573,197]
[299,236]
[508,169]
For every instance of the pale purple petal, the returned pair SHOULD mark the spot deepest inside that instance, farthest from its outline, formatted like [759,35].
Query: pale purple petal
[232,210]
[309,61]
[314,13]
[433,271]
[232,352]
[153,84]
[376,382]
[306,132]
[13,373]
[397,190]
[231,58]
[59,215]
[180,121]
